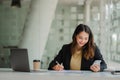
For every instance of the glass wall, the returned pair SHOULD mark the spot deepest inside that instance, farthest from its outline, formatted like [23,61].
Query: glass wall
[114,9]
[105,21]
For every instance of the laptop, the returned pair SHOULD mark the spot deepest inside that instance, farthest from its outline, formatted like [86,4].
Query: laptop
[19,60]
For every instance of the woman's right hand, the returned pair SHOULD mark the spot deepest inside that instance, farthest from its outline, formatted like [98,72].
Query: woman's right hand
[58,67]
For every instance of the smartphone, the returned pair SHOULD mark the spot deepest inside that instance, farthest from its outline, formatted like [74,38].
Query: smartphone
[116,72]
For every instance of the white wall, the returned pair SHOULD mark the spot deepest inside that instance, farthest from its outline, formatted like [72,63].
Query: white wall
[37,28]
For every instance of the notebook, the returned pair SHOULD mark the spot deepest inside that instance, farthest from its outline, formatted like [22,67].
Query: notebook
[19,60]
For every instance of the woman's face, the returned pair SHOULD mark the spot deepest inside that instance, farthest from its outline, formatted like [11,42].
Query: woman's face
[82,38]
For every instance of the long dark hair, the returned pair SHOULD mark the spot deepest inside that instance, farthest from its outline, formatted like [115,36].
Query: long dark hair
[88,48]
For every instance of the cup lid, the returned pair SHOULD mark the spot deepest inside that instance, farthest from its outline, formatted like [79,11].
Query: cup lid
[36,60]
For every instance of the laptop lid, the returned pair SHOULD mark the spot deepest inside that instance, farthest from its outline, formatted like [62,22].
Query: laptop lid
[19,60]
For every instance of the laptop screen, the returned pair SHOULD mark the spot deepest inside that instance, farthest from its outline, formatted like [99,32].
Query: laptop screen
[19,60]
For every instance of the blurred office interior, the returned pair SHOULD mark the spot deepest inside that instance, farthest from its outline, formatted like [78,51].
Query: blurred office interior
[43,26]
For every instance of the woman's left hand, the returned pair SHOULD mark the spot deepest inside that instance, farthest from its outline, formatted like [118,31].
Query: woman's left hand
[95,67]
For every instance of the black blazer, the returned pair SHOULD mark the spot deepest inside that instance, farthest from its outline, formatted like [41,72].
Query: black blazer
[64,57]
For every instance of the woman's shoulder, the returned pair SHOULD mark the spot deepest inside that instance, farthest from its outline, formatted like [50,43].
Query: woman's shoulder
[66,49]
[67,45]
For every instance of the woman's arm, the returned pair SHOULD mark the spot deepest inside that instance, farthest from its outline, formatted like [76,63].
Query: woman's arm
[57,59]
[98,56]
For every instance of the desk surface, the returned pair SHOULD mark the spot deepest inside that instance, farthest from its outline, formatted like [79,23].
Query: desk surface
[8,74]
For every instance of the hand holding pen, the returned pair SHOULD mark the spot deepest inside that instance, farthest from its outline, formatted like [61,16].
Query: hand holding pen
[58,67]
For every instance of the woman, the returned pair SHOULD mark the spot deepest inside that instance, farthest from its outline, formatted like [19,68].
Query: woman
[80,54]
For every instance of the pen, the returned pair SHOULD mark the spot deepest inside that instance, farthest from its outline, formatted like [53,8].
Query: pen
[57,62]
[61,67]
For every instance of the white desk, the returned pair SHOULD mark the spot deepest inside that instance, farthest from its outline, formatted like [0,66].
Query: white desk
[8,74]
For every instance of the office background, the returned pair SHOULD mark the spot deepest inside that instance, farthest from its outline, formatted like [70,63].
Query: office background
[43,26]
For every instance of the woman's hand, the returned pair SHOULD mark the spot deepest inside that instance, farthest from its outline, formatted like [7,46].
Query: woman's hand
[58,67]
[95,67]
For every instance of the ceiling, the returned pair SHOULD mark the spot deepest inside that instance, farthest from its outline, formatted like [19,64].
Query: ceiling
[79,2]
[69,2]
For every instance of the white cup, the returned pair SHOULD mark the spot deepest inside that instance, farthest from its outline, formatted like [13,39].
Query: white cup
[36,65]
